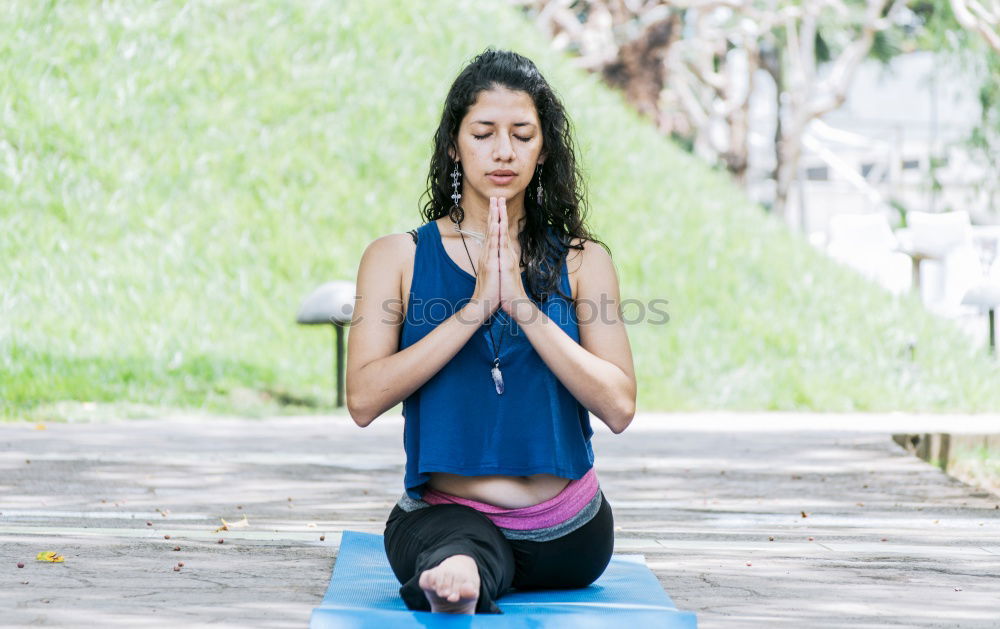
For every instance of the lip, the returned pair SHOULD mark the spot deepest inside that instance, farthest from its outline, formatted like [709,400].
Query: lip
[501,177]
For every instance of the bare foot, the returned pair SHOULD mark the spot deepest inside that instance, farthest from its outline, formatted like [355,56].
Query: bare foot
[453,585]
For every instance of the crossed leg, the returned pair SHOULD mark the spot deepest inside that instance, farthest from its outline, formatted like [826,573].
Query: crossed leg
[442,551]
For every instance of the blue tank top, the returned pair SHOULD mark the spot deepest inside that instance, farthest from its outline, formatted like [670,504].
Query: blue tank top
[456,422]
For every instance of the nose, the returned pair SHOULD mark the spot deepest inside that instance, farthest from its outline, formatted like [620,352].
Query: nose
[503,149]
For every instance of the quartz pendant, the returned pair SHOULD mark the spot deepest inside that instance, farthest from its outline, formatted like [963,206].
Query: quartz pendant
[497,378]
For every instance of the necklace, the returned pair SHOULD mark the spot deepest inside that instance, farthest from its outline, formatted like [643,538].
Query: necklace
[495,371]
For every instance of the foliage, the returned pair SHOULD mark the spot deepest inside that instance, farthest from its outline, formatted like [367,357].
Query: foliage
[176,176]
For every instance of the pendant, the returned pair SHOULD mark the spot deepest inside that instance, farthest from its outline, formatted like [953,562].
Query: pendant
[478,236]
[497,377]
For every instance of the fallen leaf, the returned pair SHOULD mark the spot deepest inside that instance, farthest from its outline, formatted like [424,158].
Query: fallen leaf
[804,514]
[39,426]
[226,526]
[50,556]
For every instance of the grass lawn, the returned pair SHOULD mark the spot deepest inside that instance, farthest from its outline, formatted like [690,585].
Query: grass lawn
[176,176]
[979,466]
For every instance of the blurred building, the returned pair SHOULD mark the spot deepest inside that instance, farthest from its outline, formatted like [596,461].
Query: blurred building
[873,157]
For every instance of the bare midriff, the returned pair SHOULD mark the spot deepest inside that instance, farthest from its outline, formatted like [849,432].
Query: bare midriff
[509,492]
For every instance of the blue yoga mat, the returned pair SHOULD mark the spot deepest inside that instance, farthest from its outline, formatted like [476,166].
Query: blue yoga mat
[364,593]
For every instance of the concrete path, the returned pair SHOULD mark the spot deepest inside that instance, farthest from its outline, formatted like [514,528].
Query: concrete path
[864,535]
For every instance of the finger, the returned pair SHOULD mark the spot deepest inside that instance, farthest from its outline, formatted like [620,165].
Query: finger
[494,227]
[492,217]
[490,229]
[504,234]
[501,225]
[484,249]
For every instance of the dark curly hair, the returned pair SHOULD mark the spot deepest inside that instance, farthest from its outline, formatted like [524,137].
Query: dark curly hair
[564,199]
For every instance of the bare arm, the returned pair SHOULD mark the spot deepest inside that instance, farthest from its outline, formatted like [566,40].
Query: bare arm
[379,376]
[598,370]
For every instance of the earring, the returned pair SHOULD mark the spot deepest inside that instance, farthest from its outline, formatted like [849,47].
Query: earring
[538,194]
[456,212]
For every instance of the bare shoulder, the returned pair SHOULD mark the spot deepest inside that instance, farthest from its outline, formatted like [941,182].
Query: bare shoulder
[382,264]
[389,251]
[582,249]
[585,260]
[400,241]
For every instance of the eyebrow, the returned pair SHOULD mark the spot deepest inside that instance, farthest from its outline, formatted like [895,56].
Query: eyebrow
[516,124]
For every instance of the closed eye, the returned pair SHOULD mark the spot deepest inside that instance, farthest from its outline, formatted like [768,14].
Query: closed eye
[480,137]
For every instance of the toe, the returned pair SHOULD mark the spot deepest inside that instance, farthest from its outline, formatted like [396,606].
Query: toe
[470,589]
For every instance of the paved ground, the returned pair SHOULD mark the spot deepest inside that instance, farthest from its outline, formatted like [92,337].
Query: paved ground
[895,541]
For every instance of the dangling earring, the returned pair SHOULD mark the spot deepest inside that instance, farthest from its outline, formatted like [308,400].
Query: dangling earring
[538,194]
[456,212]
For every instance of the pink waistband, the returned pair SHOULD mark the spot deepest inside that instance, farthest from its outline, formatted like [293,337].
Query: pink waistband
[556,510]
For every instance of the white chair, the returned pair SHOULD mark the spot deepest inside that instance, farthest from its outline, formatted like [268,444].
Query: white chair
[865,242]
[949,265]
[985,294]
[332,302]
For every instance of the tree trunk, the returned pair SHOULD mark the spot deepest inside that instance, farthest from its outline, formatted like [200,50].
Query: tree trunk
[770,60]
[640,71]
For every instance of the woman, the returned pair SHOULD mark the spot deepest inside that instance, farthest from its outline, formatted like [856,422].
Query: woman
[498,362]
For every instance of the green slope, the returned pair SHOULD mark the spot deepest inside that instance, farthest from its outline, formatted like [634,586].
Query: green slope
[174,178]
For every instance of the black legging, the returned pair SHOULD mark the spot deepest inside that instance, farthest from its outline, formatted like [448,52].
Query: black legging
[421,539]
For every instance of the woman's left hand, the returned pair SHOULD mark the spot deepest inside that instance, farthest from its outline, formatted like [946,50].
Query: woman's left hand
[512,292]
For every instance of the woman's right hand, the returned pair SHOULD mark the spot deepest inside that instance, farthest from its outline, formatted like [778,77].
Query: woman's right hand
[486,296]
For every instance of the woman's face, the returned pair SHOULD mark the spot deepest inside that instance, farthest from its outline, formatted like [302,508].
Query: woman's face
[499,142]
